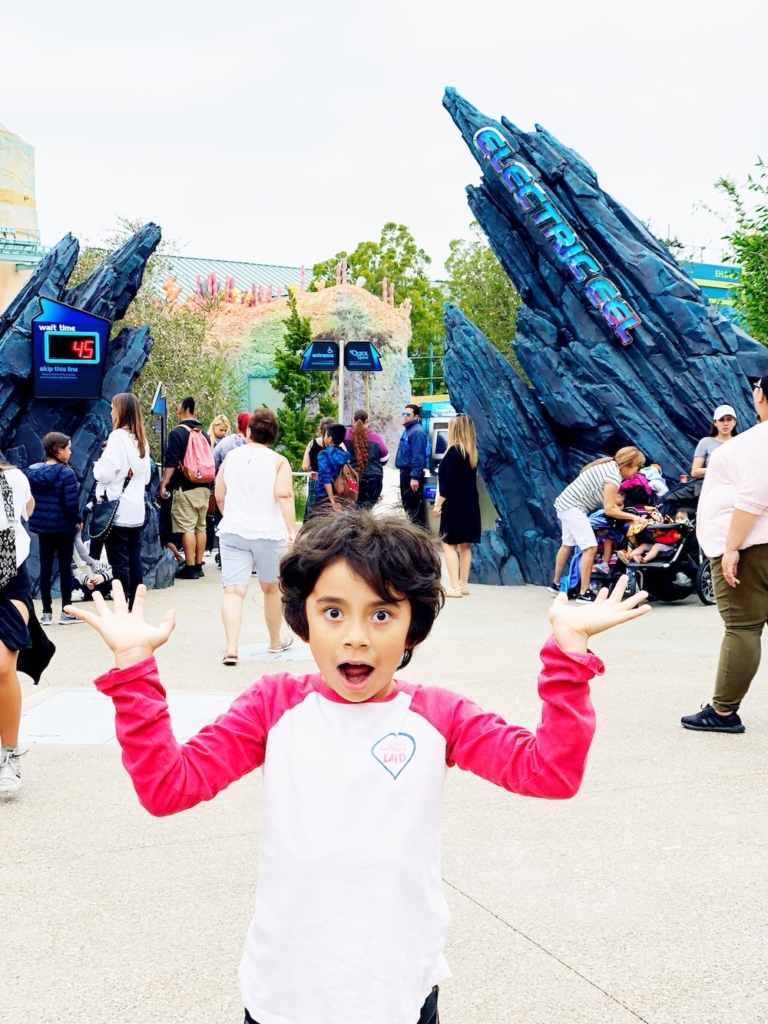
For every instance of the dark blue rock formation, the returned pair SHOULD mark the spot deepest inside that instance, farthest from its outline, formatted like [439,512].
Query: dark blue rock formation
[618,342]
[24,419]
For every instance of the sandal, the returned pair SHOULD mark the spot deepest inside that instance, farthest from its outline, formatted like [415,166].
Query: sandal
[465,591]
[229,659]
[453,592]
[285,644]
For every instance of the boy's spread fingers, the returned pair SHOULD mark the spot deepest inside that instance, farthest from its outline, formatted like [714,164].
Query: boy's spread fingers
[118,597]
[98,600]
[168,623]
[138,601]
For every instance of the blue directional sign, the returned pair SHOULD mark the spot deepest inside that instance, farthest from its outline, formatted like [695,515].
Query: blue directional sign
[69,348]
[361,355]
[321,355]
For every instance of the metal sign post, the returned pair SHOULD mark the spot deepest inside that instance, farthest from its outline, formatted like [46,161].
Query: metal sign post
[341,381]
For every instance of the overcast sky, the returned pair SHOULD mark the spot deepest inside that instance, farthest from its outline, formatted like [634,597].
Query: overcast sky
[282,133]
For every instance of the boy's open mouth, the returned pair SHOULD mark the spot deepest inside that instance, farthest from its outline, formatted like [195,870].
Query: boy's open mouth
[355,674]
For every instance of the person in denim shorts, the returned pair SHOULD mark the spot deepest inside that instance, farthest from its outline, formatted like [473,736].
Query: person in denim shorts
[254,491]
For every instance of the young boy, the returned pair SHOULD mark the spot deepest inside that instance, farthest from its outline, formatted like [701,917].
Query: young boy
[350,919]
[608,535]
[329,463]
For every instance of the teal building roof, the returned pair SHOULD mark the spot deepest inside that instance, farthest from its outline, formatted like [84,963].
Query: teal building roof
[187,268]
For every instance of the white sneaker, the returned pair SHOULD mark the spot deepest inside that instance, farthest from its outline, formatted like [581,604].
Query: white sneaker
[10,774]
[77,595]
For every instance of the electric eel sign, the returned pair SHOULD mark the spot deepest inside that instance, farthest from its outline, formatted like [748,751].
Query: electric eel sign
[543,217]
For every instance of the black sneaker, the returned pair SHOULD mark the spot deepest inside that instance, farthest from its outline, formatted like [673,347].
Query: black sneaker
[553,589]
[199,568]
[189,572]
[587,597]
[708,720]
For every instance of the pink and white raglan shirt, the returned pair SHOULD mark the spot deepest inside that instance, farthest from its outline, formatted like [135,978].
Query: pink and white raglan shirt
[350,918]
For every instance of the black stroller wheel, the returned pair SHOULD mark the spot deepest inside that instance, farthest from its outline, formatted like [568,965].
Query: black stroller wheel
[704,586]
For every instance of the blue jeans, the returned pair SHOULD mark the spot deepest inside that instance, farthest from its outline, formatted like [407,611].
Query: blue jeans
[429,1014]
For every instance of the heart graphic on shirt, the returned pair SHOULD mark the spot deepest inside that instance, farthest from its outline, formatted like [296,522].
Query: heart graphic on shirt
[394,751]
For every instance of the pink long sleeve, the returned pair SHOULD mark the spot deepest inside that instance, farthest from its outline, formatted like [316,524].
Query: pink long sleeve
[170,777]
[549,763]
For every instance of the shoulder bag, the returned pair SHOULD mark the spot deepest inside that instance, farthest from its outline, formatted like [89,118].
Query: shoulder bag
[103,514]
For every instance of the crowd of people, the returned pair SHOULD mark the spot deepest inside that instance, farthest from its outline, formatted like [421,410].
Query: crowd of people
[731,523]
[363,590]
[216,488]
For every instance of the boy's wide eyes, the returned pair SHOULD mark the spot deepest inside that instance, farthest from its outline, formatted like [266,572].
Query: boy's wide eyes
[335,614]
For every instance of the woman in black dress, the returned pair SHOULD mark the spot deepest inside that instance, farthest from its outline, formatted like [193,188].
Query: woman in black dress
[458,503]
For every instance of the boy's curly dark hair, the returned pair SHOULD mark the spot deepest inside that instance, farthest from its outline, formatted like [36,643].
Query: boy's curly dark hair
[392,556]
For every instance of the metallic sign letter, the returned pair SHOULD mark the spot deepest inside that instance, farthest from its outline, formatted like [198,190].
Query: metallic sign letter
[488,140]
[583,259]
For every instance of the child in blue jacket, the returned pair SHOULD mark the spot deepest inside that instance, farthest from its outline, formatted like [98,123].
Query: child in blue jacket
[56,519]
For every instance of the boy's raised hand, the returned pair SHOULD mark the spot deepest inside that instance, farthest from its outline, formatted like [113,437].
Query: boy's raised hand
[128,636]
[573,625]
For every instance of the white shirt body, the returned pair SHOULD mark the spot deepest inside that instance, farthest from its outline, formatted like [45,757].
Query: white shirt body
[737,478]
[21,494]
[251,510]
[373,773]
[121,455]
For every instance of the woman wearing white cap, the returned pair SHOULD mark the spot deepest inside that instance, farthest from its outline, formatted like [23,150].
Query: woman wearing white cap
[723,429]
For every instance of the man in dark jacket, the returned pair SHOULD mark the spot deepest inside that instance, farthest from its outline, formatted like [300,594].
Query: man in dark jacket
[411,460]
[190,499]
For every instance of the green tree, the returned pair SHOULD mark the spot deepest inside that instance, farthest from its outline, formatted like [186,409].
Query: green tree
[302,392]
[748,242]
[397,257]
[186,356]
[479,286]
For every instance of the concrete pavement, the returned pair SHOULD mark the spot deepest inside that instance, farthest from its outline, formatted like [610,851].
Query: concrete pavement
[643,899]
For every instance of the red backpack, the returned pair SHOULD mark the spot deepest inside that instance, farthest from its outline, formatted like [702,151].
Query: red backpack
[198,465]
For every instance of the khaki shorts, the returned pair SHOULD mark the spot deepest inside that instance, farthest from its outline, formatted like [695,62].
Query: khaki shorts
[189,510]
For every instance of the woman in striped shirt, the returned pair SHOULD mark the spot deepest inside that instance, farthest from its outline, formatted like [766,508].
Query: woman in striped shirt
[595,487]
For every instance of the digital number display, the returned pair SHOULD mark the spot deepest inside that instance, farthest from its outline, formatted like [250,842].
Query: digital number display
[71,347]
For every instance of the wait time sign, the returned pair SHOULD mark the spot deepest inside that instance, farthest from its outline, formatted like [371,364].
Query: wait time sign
[69,349]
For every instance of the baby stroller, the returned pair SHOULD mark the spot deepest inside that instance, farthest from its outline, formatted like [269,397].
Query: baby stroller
[685,570]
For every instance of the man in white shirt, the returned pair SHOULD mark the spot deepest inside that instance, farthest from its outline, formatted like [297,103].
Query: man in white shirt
[732,527]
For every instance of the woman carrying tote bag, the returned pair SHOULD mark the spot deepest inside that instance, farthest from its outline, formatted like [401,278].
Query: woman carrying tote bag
[122,473]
